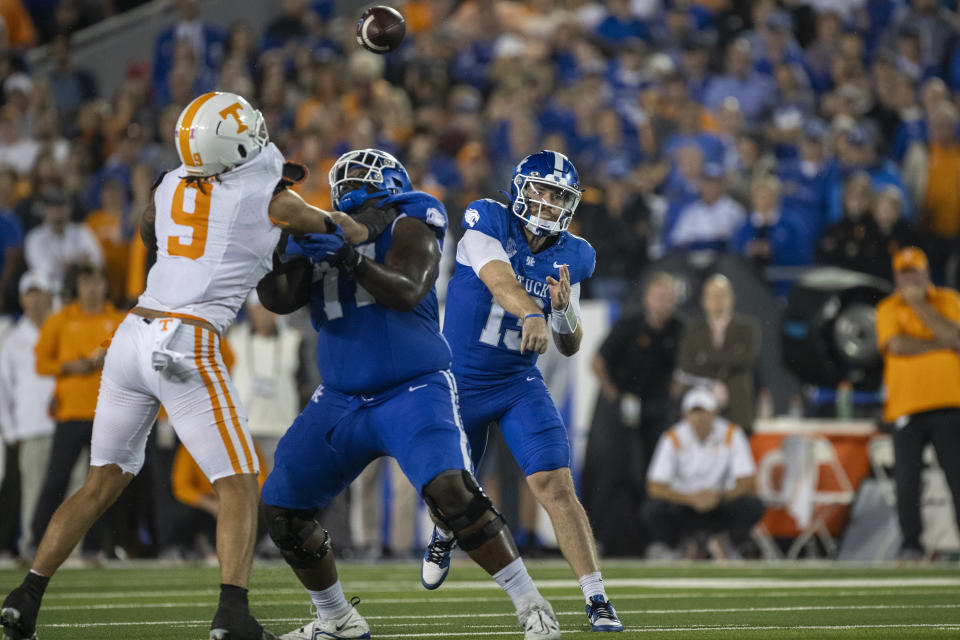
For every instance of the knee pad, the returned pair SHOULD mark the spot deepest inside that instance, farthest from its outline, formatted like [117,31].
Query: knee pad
[298,535]
[456,500]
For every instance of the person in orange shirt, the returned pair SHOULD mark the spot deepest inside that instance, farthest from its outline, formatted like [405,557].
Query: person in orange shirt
[71,348]
[918,333]
[191,487]
[107,224]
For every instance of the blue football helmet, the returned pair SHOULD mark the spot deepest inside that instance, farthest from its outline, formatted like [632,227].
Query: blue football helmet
[545,182]
[360,175]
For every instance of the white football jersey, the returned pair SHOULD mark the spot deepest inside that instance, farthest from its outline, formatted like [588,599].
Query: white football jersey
[213,244]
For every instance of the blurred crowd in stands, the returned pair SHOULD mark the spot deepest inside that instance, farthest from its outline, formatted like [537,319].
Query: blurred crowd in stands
[789,133]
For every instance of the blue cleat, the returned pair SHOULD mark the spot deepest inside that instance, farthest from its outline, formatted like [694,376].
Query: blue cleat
[436,560]
[602,615]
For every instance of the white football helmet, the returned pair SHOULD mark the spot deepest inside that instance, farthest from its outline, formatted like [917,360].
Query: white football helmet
[218,132]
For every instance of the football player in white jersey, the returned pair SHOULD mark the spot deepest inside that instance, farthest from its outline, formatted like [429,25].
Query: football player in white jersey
[215,222]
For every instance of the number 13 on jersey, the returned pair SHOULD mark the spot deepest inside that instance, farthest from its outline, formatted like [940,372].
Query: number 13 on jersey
[490,335]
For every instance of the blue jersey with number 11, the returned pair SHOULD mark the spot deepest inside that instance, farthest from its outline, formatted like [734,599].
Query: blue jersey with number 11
[364,346]
[484,338]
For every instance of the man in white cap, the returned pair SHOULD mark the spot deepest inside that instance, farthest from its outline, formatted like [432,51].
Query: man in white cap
[25,420]
[700,481]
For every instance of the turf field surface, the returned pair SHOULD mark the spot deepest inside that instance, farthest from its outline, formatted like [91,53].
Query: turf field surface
[697,601]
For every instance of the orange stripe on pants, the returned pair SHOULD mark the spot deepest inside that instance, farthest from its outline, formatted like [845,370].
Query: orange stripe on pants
[214,400]
[230,405]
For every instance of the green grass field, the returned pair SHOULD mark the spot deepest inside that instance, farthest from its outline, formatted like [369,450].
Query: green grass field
[707,602]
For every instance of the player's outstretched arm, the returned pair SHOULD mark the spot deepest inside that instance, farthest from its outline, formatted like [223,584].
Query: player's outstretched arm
[409,269]
[292,213]
[500,278]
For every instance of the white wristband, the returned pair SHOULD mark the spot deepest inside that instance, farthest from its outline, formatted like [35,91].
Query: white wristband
[564,321]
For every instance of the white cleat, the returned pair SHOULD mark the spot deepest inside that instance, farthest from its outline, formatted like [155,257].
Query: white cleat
[538,621]
[347,627]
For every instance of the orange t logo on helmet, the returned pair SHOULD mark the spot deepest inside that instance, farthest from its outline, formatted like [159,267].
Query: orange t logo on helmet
[234,110]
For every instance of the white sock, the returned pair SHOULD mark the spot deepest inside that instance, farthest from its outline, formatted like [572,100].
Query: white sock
[515,580]
[444,534]
[592,585]
[330,602]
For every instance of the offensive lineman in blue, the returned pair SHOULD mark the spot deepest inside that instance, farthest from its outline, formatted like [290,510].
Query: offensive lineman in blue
[517,265]
[387,390]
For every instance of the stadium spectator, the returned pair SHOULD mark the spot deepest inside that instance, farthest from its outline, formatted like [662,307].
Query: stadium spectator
[70,348]
[113,232]
[753,90]
[701,483]
[932,173]
[17,148]
[70,86]
[710,221]
[18,30]
[190,47]
[25,400]
[634,367]
[720,351]
[11,241]
[197,528]
[771,236]
[56,244]
[918,332]
[266,371]
[617,224]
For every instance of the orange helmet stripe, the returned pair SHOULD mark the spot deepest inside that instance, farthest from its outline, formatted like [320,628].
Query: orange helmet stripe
[183,134]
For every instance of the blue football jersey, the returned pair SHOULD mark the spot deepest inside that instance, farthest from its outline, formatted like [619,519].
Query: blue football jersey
[485,339]
[363,346]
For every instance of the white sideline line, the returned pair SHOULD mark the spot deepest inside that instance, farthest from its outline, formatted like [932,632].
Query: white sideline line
[387,619]
[287,603]
[614,583]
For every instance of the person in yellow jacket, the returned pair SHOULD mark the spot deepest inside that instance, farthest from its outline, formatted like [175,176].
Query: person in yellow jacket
[918,333]
[71,348]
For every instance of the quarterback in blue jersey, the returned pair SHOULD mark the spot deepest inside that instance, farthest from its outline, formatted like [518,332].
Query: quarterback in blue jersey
[517,265]
[387,390]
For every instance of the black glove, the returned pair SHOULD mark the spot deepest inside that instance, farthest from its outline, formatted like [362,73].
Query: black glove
[375,219]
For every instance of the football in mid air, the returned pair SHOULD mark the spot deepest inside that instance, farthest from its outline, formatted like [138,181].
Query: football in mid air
[380,29]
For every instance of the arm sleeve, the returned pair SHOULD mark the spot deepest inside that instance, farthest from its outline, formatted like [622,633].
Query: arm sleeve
[664,462]
[575,298]
[48,360]
[741,459]
[476,249]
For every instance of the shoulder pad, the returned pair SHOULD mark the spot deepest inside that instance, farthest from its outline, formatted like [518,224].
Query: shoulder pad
[420,205]
[586,259]
[486,216]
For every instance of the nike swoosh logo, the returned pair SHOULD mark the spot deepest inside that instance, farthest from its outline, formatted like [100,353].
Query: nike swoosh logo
[557,265]
[531,378]
[419,386]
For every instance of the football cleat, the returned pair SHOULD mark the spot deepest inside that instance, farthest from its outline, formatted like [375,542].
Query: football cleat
[436,560]
[602,615]
[18,616]
[229,626]
[538,621]
[349,626]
